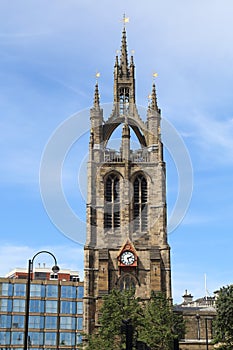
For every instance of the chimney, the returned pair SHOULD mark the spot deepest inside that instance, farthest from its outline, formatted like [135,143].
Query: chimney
[188,298]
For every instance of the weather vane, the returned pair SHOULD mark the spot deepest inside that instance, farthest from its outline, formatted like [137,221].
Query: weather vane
[97,75]
[125,19]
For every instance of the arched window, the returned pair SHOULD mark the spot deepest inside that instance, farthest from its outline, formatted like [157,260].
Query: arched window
[124,100]
[127,282]
[112,202]
[140,205]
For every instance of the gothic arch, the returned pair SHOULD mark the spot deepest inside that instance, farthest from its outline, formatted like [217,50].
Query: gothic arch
[109,128]
[127,281]
[140,202]
[112,200]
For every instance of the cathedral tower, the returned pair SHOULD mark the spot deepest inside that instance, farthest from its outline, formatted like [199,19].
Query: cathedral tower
[126,244]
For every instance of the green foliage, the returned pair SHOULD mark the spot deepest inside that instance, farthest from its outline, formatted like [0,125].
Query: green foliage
[223,324]
[154,322]
[161,325]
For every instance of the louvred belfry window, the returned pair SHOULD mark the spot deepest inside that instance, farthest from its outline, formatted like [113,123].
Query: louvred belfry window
[140,204]
[124,100]
[112,202]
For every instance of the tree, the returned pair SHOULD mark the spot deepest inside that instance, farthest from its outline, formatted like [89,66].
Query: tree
[223,323]
[161,324]
[117,306]
[154,321]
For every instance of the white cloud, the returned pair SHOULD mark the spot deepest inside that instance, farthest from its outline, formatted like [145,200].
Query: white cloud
[214,137]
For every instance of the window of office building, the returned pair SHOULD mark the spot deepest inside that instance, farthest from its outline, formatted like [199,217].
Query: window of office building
[18,305]
[50,338]
[67,339]
[6,289]
[80,323]
[68,307]
[5,321]
[51,291]
[17,321]
[4,338]
[68,292]
[67,322]
[80,292]
[51,306]
[37,290]
[78,338]
[50,322]
[36,305]
[17,338]
[6,305]
[36,322]
[19,290]
[35,338]
[79,307]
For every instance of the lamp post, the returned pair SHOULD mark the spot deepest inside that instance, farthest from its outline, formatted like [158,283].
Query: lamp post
[55,269]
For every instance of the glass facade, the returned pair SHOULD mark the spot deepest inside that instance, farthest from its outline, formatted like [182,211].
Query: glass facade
[51,306]
[17,321]
[17,338]
[67,322]
[5,321]
[37,290]
[36,322]
[55,314]
[18,305]
[19,290]
[52,291]
[51,322]
[6,305]
[6,289]
[67,339]
[36,305]
[68,307]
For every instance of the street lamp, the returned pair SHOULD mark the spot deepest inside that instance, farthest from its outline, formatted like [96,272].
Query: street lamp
[55,269]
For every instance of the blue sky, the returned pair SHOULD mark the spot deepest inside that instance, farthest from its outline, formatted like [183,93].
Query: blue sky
[49,54]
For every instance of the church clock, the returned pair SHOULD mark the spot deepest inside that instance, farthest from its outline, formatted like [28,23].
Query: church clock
[127,258]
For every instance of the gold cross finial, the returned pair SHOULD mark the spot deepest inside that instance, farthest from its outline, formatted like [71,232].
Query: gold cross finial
[97,75]
[125,19]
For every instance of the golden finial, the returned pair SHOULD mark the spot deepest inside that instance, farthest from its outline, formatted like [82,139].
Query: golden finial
[97,76]
[132,52]
[125,19]
[155,75]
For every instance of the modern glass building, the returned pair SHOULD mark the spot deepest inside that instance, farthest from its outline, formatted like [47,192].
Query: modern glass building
[56,312]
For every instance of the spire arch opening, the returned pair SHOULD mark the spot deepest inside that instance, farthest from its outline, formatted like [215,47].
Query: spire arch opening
[110,127]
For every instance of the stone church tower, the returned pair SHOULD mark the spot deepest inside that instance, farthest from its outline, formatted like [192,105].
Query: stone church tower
[126,244]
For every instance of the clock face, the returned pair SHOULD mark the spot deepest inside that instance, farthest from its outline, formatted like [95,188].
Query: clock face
[127,258]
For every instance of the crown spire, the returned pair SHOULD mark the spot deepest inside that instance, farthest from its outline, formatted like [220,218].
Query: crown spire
[154,105]
[124,54]
[96,96]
